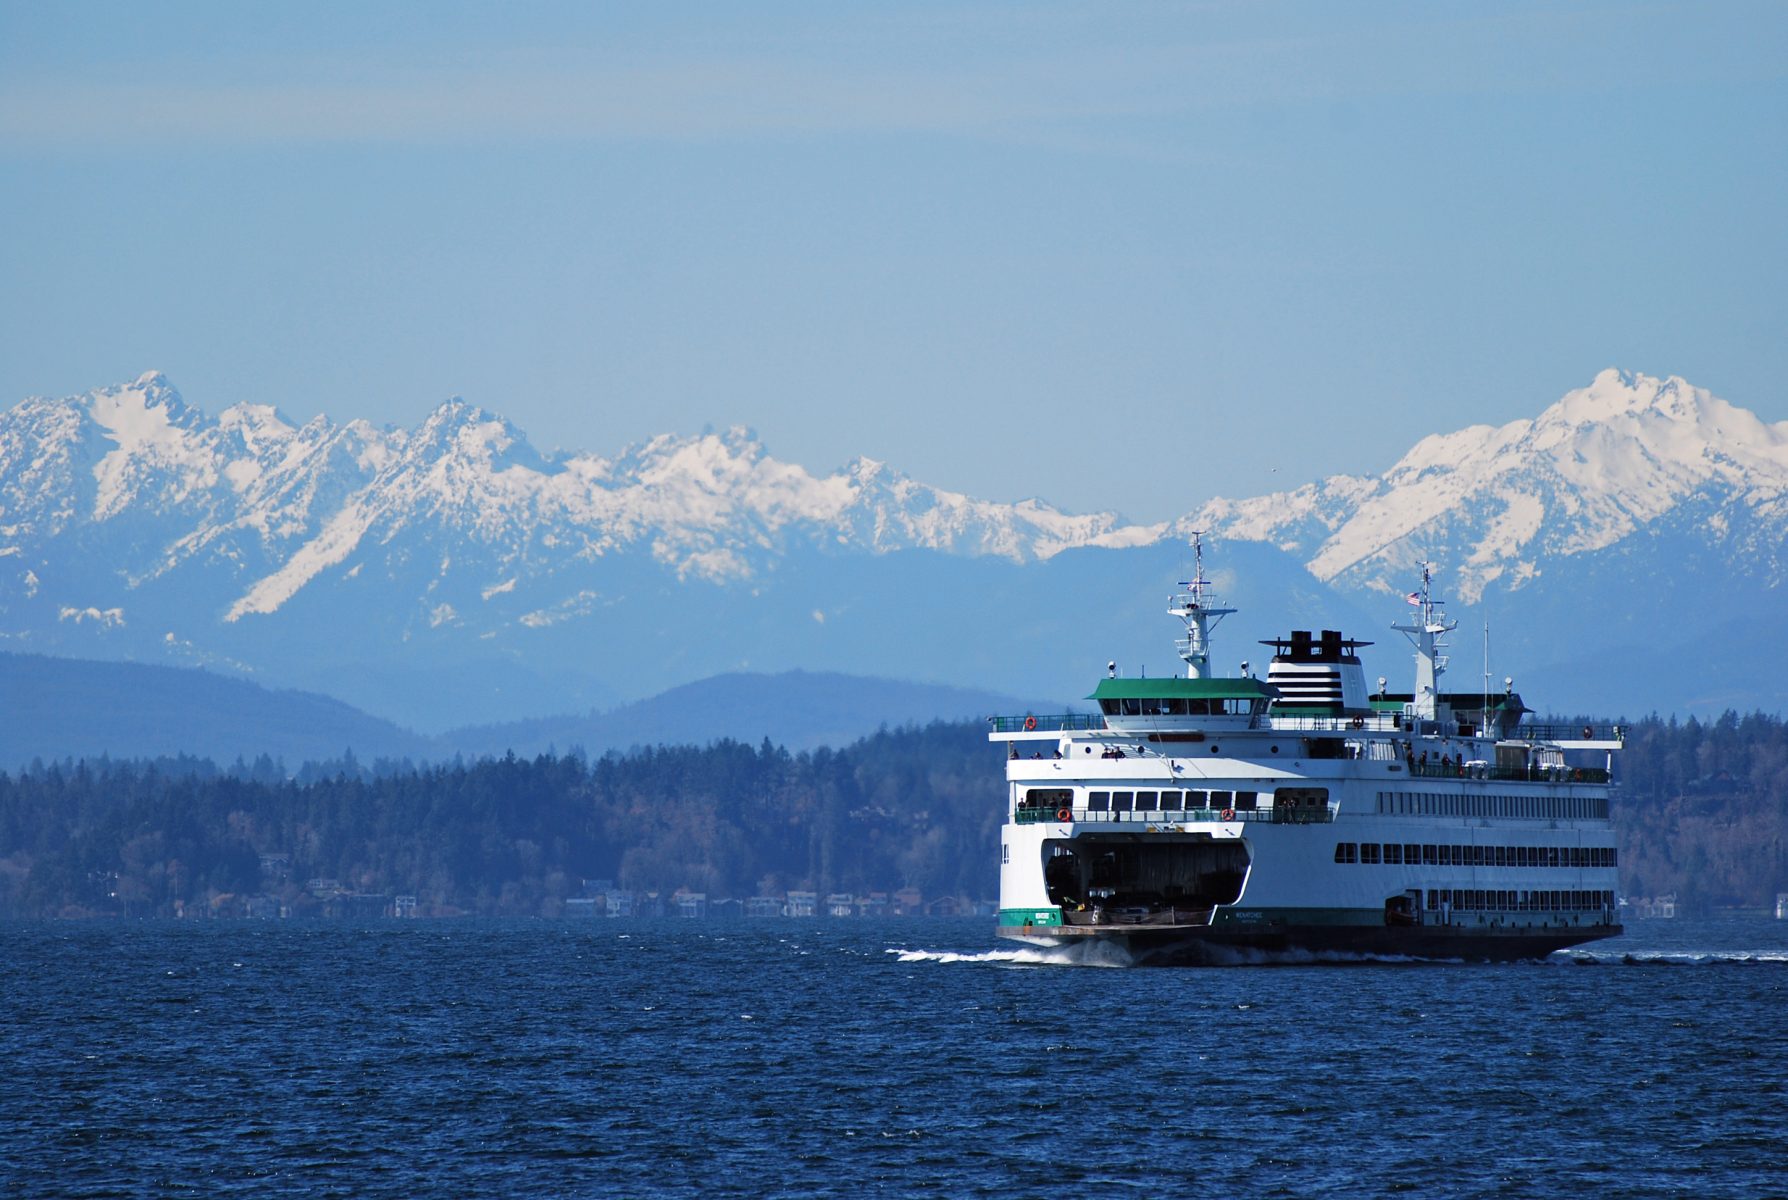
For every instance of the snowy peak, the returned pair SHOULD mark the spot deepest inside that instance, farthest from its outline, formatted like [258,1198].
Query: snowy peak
[1615,395]
[276,506]
[265,509]
[1601,463]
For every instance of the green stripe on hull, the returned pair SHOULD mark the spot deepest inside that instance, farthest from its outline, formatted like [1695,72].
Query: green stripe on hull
[1030,916]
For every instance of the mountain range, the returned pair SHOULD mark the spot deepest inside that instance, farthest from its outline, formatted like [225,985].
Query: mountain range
[65,708]
[1625,547]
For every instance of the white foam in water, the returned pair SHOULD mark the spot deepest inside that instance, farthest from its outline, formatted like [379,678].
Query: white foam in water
[1096,954]
[1670,958]
[1108,954]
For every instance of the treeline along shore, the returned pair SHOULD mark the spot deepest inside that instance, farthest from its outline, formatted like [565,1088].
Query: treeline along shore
[1702,813]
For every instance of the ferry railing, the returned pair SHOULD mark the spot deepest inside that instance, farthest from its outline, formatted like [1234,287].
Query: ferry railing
[1316,814]
[1571,733]
[1057,723]
[1535,774]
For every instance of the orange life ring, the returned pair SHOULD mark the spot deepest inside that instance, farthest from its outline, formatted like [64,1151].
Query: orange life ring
[1229,814]
[1030,723]
[1063,814]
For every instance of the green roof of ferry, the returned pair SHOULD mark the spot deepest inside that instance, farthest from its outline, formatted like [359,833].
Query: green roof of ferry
[1172,688]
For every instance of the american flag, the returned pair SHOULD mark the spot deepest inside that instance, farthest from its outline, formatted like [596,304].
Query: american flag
[1415,597]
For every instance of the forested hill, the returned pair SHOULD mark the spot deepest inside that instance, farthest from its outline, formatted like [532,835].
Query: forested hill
[915,808]
[1703,813]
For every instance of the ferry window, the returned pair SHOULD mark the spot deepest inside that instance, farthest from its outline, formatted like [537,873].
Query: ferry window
[1149,707]
[1120,801]
[1098,801]
[1393,854]
[1170,801]
[1457,854]
[1430,856]
[1145,801]
[1175,707]
[1501,854]
[1131,708]
[1196,800]
[1109,707]
[1245,801]
[1198,708]
[1368,852]
[1050,798]
[1552,856]
[1222,799]
[1346,852]
[1613,857]
[1412,853]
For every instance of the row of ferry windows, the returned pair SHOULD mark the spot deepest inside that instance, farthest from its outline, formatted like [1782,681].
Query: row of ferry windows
[1462,804]
[1398,853]
[1176,707]
[1171,800]
[1493,899]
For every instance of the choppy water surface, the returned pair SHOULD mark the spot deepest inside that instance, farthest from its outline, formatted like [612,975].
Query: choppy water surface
[853,1058]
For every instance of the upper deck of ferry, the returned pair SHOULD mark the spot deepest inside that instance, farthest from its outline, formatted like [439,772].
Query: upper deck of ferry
[1315,694]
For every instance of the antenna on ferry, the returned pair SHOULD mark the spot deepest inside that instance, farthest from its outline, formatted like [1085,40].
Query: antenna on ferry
[1200,612]
[1428,633]
[1486,716]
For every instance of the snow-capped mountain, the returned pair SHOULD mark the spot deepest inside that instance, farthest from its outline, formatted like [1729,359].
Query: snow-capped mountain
[1629,454]
[134,524]
[452,573]
[281,505]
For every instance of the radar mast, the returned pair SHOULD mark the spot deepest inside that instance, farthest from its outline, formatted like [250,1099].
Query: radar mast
[1428,633]
[1200,611]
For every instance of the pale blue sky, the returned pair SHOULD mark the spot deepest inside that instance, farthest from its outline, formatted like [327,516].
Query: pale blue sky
[1116,256]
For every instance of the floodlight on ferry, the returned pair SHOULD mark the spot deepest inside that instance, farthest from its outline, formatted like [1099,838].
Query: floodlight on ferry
[1111,670]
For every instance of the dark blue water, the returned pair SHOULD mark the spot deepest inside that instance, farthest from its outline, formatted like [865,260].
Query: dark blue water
[858,1058]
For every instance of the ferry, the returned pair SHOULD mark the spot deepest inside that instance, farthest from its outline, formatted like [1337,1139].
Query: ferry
[1205,819]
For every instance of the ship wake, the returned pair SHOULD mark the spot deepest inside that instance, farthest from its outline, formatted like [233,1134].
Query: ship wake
[1674,958]
[1091,954]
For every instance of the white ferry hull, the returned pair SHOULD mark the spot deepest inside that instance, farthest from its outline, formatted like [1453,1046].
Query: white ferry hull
[1205,819]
